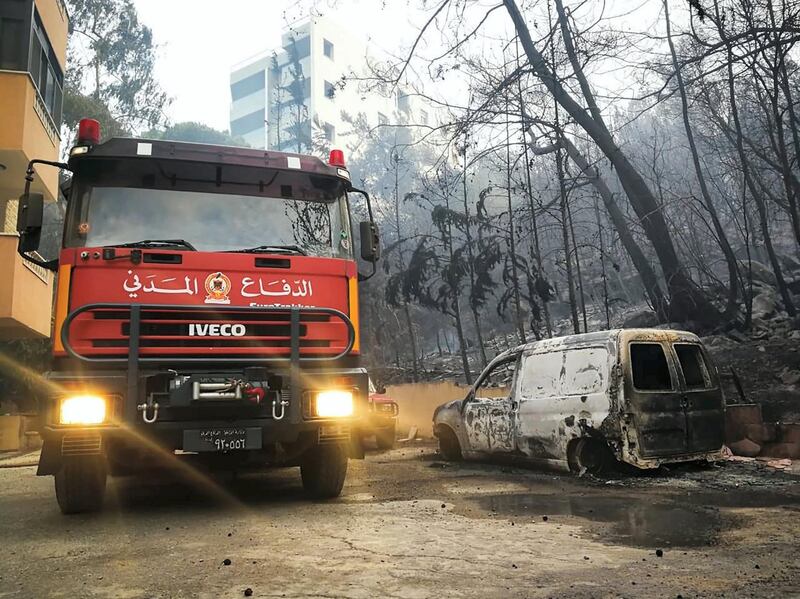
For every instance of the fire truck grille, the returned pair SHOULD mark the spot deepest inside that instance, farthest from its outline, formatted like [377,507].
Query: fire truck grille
[178,332]
[81,443]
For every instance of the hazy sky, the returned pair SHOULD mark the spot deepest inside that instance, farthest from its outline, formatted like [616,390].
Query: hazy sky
[200,40]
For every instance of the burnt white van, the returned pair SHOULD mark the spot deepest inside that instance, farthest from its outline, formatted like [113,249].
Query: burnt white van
[646,397]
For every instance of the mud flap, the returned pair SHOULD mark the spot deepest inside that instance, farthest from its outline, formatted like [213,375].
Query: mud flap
[50,459]
[355,448]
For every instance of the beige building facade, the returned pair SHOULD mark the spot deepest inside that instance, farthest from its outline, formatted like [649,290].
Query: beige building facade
[33,48]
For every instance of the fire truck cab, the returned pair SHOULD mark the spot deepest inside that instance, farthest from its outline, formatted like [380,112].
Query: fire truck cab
[206,310]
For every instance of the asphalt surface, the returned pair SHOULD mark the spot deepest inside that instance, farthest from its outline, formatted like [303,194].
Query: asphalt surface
[409,525]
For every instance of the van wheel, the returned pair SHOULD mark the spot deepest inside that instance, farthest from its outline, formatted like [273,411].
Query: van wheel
[81,484]
[384,438]
[449,446]
[590,456]
[323,470]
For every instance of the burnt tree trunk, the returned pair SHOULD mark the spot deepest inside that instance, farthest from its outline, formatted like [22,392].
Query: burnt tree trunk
[732,306]
[687,302]
[750,185]
[512,246]
[471,264]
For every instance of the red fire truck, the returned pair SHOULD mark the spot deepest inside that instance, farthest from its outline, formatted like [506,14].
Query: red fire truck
[206,309]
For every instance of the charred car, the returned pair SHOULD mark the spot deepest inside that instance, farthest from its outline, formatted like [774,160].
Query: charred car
[645,397]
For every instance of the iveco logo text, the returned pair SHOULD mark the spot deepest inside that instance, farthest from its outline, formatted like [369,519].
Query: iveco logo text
[217,330]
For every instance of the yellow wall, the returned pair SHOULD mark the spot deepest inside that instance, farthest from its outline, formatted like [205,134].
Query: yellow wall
[26,129]
[26,133]
[26,295]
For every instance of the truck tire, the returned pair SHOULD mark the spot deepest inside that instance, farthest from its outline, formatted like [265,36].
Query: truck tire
[449,446]
[323,470]
[81,484]
[384,437]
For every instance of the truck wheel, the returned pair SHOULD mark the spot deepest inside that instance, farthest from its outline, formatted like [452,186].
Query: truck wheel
[384,438]
[323,470]
[449,446]
[81,484]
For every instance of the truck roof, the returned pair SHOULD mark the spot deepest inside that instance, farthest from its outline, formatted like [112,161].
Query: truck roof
[123,147]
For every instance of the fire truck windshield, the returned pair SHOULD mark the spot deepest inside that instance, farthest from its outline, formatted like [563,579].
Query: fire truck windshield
[215,222]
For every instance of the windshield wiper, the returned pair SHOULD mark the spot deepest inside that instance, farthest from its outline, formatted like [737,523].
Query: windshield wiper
[149,243]
[271,249]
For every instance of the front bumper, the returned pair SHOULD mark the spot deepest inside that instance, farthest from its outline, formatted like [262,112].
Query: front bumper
[278,439]
[179,413]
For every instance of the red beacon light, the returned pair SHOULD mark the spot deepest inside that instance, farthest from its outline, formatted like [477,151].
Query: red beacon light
[337,159]
[88,132]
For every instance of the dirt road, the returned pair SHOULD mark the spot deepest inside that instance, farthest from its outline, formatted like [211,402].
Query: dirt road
[411,526]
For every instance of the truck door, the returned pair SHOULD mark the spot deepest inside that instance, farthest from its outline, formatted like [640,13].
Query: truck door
[655,400]
[702,399]
[489,410]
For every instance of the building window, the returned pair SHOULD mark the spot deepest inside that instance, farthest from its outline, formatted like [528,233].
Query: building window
[330,132]
[44,70]
[249,85]
[330,90]
[294,92]
[298,49]
[248,123]
[382,119]
[327,48]
[403,104]
[12,44]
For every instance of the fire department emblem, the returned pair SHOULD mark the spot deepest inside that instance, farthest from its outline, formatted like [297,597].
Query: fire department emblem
[218,286]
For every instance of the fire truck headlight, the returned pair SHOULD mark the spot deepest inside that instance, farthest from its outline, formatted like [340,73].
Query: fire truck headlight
[334,404]
[82,409]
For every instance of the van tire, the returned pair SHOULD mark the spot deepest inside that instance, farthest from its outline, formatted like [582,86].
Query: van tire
[590,456]
[323,470]
[449,447]
[81,484]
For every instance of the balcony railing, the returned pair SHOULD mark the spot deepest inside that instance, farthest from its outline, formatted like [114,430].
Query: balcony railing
[44,115]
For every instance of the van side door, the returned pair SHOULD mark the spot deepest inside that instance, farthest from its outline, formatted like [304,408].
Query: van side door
[488,413]
[562,393]
[702,398]
[654,400]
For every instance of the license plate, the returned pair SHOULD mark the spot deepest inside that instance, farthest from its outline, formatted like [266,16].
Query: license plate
[221,439]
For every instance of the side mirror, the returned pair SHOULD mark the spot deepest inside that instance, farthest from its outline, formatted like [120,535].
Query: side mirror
[381,390]
[30,216]
[370,241]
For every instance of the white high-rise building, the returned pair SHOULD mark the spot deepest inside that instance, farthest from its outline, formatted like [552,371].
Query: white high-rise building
[302,96]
